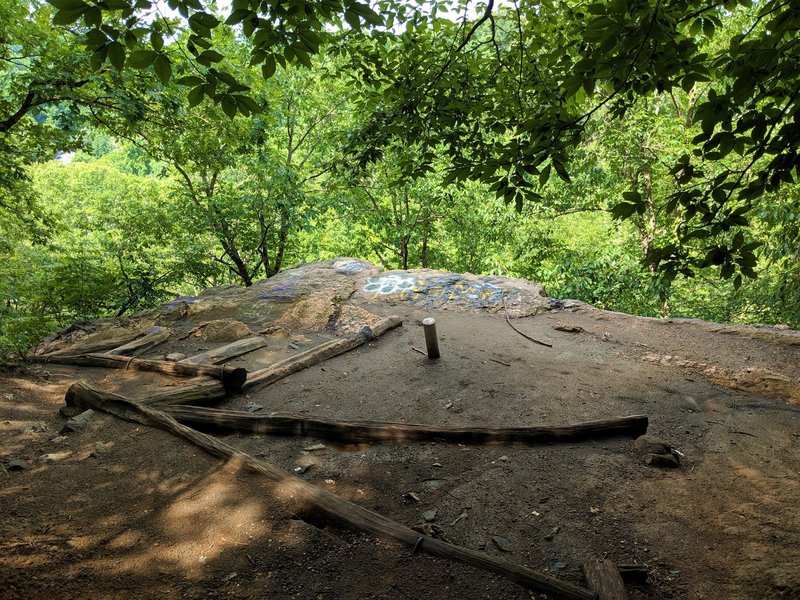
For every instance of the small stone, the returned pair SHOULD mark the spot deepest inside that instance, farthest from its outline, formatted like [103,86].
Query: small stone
[314,448]
[59,439]
[437,465]
[303,468]
[36,427]
[669,461]
[553,532]
[648,444]
[253,407]
[17,464]
[175,356]
[448,405]
[77,422]
[502,543]
[558,567]
[503,458]
[8,396]
[70,411]
[410,497]
[430,515]
[101,449]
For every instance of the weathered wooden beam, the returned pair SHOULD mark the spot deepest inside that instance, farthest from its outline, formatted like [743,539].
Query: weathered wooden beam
[203,392]
[307,497]
[89,345]
[142,344]
[224,353]
[320,353]
[604,579]
[232,378]
[371,431]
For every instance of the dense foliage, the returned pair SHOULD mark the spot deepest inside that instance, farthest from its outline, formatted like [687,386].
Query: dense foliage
[641,156]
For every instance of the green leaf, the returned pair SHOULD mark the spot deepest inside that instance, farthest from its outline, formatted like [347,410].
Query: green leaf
[156,40]
[209,56]
[141,59]
[116,55]
[68,4]
[93,17]
[195,96]
[229,105]
[248,103]
[67,17]
[163,68]
[191,80]
[268,68]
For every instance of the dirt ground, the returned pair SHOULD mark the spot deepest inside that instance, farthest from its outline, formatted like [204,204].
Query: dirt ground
[119,510]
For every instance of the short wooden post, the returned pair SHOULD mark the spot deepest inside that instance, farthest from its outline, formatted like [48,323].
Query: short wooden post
[431,339]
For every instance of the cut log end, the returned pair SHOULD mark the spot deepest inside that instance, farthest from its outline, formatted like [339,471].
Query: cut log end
[233,378]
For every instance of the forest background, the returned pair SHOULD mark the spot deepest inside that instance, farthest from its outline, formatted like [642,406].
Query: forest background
[152,158]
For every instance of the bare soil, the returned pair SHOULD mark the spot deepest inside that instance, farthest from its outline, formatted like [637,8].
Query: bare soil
[120,510]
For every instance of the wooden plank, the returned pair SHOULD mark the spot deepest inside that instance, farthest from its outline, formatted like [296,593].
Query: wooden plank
[320,353]
[307,497]
[224,353]
[142,344]
[232,378]
[371,431]
[604,579]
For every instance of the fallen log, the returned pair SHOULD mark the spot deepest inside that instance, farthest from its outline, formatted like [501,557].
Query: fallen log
[224,353]
[232,378]
[90,345]
[604,579]
[351,432]
[204,392]
[142,344]
[320,353]
[310,497]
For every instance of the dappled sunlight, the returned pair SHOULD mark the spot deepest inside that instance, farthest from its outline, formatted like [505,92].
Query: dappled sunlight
[205,519]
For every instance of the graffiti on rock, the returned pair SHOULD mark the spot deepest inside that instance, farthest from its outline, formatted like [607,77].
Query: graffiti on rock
[437,290]
[389,284]
[455,289]
[281,292]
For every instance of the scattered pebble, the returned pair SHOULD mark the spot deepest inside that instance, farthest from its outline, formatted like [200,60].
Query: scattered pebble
[503,458]
[175,357]
[553,532]
[253,407]
[36,427]
[77,422]
[314,448]
[558,567]
[409,497]
[303,468]
[502,543]
[101,449]
[17,464]
[430,515]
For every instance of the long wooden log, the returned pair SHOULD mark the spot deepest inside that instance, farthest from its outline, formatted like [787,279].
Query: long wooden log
[224,353]
[320,353]
[142,344]
[330,506]
[232,378]
[205,392]
[90,345]
[370,431]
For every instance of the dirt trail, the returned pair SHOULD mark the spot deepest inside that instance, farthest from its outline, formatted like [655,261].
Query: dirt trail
[119,510]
